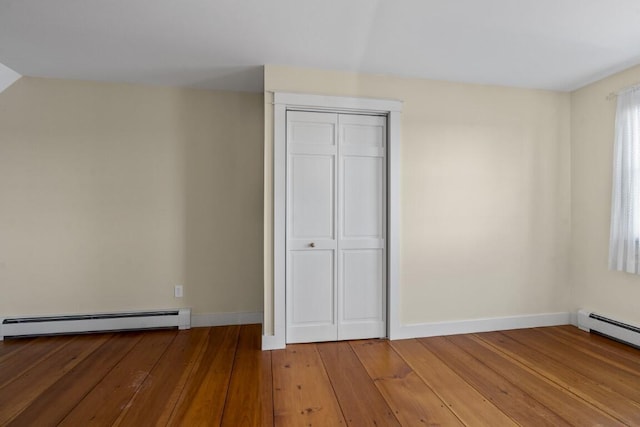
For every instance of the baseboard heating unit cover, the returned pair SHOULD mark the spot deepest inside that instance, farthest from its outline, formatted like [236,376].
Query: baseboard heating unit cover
[592,322]
[98,322]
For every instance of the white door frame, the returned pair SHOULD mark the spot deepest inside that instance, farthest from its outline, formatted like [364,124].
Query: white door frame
[293,101]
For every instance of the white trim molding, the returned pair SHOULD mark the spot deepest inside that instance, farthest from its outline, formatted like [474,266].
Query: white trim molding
[574,318]
[336,103]
[7,77]
[421,330]
[223,319]
[292,101]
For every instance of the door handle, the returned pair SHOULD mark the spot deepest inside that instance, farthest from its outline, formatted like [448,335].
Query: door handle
[312,245]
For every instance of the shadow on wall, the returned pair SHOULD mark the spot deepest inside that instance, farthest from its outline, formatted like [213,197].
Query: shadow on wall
[238,78]
[114,193]
[221,156]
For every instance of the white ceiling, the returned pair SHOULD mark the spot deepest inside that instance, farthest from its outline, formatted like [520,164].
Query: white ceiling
[222,44]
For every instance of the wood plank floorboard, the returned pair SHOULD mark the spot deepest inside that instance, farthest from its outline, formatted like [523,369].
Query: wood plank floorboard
[250,396]
[626,411]
[219,376]
[57,401]
[412,401]
[155,400]
[29,385]
[516,403]
[302,392]
[15,362]
[598,341]
[101,406]
[469,405]
[620,355]
[622,382]
[360,401]
[610,357]
[9,346]
[206,390]
[571,408]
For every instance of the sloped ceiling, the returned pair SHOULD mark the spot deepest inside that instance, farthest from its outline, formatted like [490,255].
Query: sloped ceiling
[222,44]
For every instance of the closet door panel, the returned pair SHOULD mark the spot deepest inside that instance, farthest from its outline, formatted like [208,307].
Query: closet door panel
[362,227]
[363,292]
[363,207]
[313,195]
[311,227]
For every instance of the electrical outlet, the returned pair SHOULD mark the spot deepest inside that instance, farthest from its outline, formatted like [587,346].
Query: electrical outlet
[178,291]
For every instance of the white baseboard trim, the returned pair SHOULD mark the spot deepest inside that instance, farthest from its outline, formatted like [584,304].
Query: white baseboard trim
[272,342]
[223,319]
[421,330]
[574,318]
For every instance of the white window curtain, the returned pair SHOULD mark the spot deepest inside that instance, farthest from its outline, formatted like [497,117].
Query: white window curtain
[624,243]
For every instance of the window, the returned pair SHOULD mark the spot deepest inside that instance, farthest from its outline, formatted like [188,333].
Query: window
[624,243]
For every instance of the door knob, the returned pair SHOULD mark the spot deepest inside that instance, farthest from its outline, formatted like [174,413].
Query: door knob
[312,245]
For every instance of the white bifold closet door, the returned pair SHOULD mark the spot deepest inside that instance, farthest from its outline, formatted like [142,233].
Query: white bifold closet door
[336,227]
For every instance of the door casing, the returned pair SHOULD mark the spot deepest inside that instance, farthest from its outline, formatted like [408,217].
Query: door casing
[295,102]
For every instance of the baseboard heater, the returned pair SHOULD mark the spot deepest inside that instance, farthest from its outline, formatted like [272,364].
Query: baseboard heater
[620,331]
[100,322]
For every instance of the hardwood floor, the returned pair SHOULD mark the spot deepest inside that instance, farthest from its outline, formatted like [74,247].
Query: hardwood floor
[218,376]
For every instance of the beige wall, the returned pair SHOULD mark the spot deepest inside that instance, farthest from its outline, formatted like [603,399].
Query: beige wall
[111,194]
[485,222]
[611,293]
